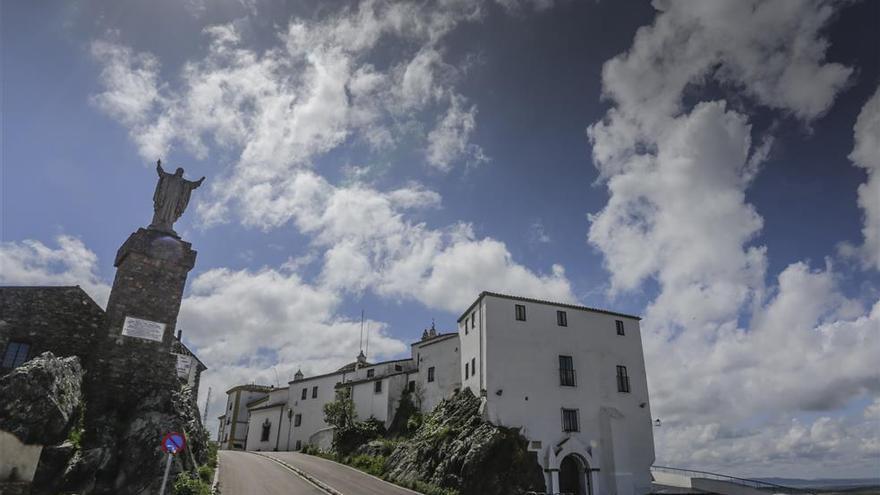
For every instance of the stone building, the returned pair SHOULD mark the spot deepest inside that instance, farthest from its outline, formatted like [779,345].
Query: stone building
[570,378]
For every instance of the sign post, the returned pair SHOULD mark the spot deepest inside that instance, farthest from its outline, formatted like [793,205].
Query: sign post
[172,443]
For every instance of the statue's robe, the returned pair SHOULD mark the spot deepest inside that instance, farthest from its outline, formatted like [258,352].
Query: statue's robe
[170,200]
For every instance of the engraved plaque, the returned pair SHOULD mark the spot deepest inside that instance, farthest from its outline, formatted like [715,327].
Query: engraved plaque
[143,329]
[184,365]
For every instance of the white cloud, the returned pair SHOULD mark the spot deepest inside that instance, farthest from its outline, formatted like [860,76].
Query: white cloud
[370,244]
[721,348]
[280,108]
[31,262]
[449,141]
[866,154]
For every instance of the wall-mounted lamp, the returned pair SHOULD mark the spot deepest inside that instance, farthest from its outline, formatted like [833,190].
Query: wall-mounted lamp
[657,423]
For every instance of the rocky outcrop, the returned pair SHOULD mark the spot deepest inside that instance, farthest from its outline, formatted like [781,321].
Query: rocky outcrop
[42,399]
[455,449]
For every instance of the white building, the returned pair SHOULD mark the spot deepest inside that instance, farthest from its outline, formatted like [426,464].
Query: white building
[571,378]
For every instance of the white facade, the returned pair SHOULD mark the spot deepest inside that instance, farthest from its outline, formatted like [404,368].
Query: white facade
[557,377]
[516,365]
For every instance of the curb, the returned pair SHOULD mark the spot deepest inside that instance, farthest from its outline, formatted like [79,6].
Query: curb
[215,485]
[302,474]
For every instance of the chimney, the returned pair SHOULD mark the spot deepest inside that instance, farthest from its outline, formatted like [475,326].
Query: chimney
[179,335]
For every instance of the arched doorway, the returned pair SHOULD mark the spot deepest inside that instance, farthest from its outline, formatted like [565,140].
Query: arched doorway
[574,476]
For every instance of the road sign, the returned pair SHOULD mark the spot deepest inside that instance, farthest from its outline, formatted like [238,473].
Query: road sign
[173,443]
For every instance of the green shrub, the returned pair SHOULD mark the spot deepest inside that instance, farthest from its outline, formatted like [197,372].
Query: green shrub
[206,474]
[414,422]
[212,453]
[187,484]
[374,465]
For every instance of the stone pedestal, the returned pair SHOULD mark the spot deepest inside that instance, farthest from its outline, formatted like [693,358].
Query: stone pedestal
[151,270]
[133,379]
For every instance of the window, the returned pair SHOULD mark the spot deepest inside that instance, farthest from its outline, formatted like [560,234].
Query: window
[16,354]
[299,445]
[619,325]
[305,393]
[622,379]
[398,367]
[466,368]
[465,326]
[371,373]
[520,312]
[474,366]
[412,386]
[561,319]
[267,427]
[566,371]
[298,420]
[570,420]
[431,374]
[314,392]
[377,387]
[473,320]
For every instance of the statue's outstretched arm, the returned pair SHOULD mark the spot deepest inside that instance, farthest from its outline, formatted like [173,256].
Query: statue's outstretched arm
[198,182]
[159,167]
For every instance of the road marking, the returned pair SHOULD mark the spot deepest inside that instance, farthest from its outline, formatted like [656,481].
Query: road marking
[324,487]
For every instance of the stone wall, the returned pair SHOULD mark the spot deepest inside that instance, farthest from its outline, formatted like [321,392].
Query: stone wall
[61,320]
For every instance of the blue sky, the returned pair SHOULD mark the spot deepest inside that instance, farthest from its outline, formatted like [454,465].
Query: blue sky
[716,173]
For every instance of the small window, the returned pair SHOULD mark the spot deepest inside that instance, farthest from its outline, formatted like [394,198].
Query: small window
[570,420]
[305,393]
[466,368]
[622,379]
[465,326]
[561,319]
[267,427]
[314,392]
[298,420]
[398,367]
[474,366]
[566,371]
[412,386]
[431,374]
[377,387]
[299,445]
[473,320]
[371,373]
[619,325]
[520,312]
[16,354]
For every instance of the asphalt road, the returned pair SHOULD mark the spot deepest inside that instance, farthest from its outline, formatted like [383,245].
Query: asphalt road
[243,473]
[346,480]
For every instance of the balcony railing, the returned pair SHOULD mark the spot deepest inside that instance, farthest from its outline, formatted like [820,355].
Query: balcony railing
[567,377]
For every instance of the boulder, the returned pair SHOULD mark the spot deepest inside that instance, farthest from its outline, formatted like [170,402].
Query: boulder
[42,399]
[53,462]
[456,449]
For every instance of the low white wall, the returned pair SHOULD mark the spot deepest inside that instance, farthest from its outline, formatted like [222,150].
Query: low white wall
[671,479]
[21,458]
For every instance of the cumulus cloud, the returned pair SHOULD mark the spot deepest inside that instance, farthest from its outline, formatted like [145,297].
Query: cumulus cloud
[31,262]
[370,243]
[449,142]
[721,347]
[866,154]
[317,89]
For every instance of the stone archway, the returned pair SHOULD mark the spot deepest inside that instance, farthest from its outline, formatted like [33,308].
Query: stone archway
[574,476]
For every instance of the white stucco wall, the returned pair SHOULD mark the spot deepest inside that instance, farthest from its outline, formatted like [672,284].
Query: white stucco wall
[311,409]
[521,370]
[444,355]
[275,417]
[18,457]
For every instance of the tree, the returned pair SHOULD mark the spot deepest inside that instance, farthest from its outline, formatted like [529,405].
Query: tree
[340,413]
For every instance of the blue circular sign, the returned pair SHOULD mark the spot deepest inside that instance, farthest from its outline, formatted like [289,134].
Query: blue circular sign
[173,443]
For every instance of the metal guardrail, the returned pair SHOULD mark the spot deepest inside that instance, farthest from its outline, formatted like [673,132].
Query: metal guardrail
[757,484]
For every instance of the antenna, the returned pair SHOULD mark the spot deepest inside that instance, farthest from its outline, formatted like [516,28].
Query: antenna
[207,402]
[362,330]
[368,342]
